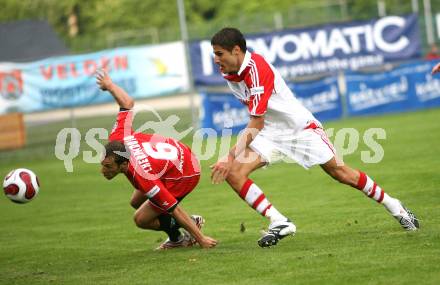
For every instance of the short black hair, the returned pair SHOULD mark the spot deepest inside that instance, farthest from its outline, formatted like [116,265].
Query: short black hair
[118,151]
[228,38]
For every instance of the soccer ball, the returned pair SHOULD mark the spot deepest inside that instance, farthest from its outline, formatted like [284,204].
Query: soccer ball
[21,185]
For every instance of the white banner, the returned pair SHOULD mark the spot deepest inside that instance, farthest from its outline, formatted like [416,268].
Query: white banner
[68,81]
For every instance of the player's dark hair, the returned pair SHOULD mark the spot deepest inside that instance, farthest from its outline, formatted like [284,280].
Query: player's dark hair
[228,38]
[118,151]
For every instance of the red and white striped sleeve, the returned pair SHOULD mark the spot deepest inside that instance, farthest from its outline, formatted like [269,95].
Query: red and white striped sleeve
[260,80]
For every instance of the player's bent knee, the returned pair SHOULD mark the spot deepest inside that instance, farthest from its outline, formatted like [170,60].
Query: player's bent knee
[141,221]
[137,199]
[135,203]
[137,220]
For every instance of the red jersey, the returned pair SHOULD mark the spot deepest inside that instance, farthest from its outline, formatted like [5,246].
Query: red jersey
[155,161]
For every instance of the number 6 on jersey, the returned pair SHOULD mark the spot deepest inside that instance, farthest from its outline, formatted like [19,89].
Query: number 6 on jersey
[163,151]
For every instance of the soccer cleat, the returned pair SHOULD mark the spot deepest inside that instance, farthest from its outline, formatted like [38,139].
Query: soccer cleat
[186,240]
[199,220]
[276,232]
[407,219]
[199,223]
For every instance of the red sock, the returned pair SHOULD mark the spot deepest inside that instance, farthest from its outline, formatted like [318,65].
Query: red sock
[253,195]
[370,188]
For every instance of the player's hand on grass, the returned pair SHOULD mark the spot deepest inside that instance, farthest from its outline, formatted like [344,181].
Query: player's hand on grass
[220,170]
[436,69]
[207,242]
[103,80]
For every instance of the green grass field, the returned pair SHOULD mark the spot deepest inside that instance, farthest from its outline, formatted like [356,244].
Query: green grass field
[79,230]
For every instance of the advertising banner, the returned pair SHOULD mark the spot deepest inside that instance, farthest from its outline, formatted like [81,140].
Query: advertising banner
[69,81]
[322,49]
[320,97]
[223,110]
[378,93]
[408,87]
[425,86]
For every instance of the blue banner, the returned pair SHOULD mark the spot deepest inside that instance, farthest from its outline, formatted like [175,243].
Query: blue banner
[69,81]
[425,87]
[298,52]
[222,110]
[320,97]
[408,87]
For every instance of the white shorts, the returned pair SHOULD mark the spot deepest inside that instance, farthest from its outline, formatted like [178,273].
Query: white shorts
[309,147]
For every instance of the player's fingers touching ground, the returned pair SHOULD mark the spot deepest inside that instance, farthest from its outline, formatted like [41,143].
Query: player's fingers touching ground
[208,242]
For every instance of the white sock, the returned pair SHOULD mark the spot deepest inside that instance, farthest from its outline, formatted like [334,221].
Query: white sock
[391,204]
[274,216]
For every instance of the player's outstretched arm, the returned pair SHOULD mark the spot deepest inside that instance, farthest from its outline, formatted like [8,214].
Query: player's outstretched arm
[106,84]
[188,224]
[436,68]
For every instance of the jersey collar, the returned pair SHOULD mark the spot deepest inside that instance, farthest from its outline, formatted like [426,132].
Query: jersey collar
[237,77]
[245,63]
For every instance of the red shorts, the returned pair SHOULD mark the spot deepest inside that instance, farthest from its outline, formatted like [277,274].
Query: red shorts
[179,188]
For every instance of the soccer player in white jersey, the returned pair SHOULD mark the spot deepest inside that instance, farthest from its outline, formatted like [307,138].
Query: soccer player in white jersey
[279,127]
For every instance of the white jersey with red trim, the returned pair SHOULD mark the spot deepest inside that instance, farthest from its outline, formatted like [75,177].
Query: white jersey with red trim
[260,86]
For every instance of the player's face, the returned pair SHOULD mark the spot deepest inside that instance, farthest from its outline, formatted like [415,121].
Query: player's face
[228,61]
[109,167]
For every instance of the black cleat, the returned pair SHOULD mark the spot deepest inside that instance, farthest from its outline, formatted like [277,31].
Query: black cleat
[276,232]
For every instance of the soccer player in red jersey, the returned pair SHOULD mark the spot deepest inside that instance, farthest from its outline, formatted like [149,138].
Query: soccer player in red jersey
[162,170]
[279,127]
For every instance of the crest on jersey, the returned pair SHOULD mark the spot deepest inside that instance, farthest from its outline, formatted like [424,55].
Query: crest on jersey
[257,90]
